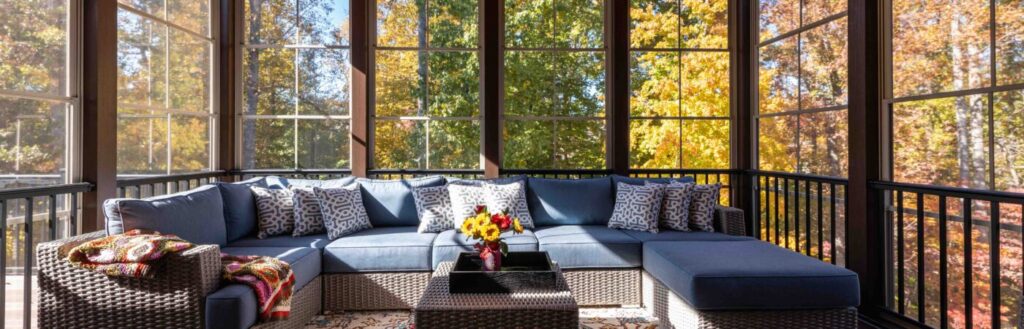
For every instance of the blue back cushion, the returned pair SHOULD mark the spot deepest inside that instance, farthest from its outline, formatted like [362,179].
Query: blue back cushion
[239,207]
[616,179]
[274,181]
[570,201]
[196,215]
[390,202]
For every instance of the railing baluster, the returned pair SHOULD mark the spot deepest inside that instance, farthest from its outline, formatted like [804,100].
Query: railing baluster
[807,218]
[821,229]
[943,266]
[27,276]
[796,215]
[3,260]
[900,294]
[53,217]
[920,259]
[785,211]
[73,215]
[775,192]
[968,269]
[993,259]
[832,219]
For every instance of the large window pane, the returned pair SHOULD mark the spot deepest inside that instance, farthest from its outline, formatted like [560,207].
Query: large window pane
[530,84]
[141,61]
[581,84]
[400,144]
[190,143]
[817,10]
[704,84]
[654,84]
[269,77]
[142,144]
[554,23]
[31,142]
[400,87]
[942,142]
[325,22]
[705,144]
[271,22]
[193,15]
[1009,42]
[554,144]
[323,91]
[777,144]
[189,66]
[400,23]
[268,143]
[654,144]
[453,23]
[939,46]
[453,85]
[1009,141]
[778,17]
[35,39]
[705,24]
[823,143]
[323,143]
[778,76]
[454,144]
[823,73]
[654,24]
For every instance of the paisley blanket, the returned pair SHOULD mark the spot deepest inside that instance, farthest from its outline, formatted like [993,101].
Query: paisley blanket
[130,254]
[271,279]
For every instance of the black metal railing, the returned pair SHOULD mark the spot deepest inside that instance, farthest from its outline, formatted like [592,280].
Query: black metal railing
[31,216]
[953,255]
[804,213]
[148,186]
[292,173]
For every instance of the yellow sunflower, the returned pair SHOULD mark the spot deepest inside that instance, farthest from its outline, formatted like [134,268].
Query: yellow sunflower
[517,226]
[469,227]
[491,233]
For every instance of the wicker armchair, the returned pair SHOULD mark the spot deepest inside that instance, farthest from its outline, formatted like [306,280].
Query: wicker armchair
[70,297]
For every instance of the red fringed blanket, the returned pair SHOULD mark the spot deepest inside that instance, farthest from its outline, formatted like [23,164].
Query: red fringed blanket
[126,255]
[271,279]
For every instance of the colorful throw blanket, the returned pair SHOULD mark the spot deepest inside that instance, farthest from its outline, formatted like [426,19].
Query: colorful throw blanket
[130,254]
[271,279]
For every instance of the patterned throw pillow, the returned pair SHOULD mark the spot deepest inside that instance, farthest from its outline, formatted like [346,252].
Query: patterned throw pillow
[308,217]
[636,207]
[702,207]
[511,198]
[464,200]
[275,211]
[675,208]
[343,209]
[434,208]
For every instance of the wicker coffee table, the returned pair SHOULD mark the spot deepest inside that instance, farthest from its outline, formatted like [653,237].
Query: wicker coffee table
[521,309]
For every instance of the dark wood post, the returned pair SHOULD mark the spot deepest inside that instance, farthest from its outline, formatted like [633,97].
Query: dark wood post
[230,60]
[360,27]
[743,89]
[491,58]
[865,233]
[617,43]
[99,108]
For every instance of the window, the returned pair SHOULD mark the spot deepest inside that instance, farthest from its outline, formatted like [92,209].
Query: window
[554,85]
[679,84]
[802,75]
[295,85]
[38,91]
[426,85]
[957,94]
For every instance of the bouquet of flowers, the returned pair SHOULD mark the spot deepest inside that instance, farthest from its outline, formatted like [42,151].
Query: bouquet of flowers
[487,228]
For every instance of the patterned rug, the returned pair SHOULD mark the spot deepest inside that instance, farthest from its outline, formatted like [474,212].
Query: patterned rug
[590,318]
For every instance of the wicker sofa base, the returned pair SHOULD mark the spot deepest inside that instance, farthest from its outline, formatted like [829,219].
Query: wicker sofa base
[604,287]
[305,305]
[673,312]
[373,291]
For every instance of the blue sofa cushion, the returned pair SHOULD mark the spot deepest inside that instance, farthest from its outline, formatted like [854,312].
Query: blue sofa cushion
[589,246]
[239,207]
[616,179]
[318,241]
[282,182]
[380,249]
[748,275]
[234,306]
[666,235]
[480,182]
[390,202]
[196,216]
[450,243]
[570,201]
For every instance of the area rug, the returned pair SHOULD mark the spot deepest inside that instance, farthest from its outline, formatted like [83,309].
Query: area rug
[590,318]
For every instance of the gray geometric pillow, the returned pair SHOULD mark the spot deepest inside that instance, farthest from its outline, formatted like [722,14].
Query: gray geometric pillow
[343,209]
[275,210]
[308,217]
[636,207]
[511,198]
[675,208]
[702,207]
[434,208]
[464,199]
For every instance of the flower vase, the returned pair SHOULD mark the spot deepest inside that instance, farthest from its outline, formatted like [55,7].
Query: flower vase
[491,260]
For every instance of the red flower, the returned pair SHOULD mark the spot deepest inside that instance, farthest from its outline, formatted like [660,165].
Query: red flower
[502,220]
[481,208]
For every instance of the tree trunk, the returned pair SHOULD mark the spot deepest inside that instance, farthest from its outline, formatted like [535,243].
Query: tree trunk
[251,88]
[970,122]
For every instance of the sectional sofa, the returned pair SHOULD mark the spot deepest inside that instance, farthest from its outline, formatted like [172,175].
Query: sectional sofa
[716,279]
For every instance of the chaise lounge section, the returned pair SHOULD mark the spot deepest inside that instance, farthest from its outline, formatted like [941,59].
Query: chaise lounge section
[721,279]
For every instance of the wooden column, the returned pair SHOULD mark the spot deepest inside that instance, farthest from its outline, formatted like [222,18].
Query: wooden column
[743,89]
[491,71]
[360,27]
[99,108]
[230,61]
[865,233]
[617,43]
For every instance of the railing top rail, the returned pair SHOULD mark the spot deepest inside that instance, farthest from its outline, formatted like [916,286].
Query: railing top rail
[28,192]
[808,177]
[425,171]
[290,171]
[159,179]
[958,192]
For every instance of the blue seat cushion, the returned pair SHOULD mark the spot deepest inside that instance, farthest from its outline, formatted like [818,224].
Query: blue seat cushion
[380,249]
[390,202]
[318,241]
[234,306]
[450,243]
[748,275]
[570,201]
[589,246]
[196,216]
[669,235]
[239,207]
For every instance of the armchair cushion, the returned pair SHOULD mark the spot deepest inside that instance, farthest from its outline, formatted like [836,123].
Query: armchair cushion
[196,216]
[570,201]
[589,246]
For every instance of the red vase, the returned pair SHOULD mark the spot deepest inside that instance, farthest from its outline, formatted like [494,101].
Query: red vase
[491,259]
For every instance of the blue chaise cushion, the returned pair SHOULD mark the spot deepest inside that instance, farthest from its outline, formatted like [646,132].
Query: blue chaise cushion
[589,246]
[380,249]
[196,216]
[748,275]
[570,201]
[390,202]
[669,235]
[234,306]
[450,243]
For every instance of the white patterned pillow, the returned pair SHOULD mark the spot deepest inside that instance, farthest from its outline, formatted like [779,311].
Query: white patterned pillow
[275,211]
[675,208]
[636,207]
[509,197]
[308,217]
[434,208]
[464,200]
[343,209]
[702,206]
